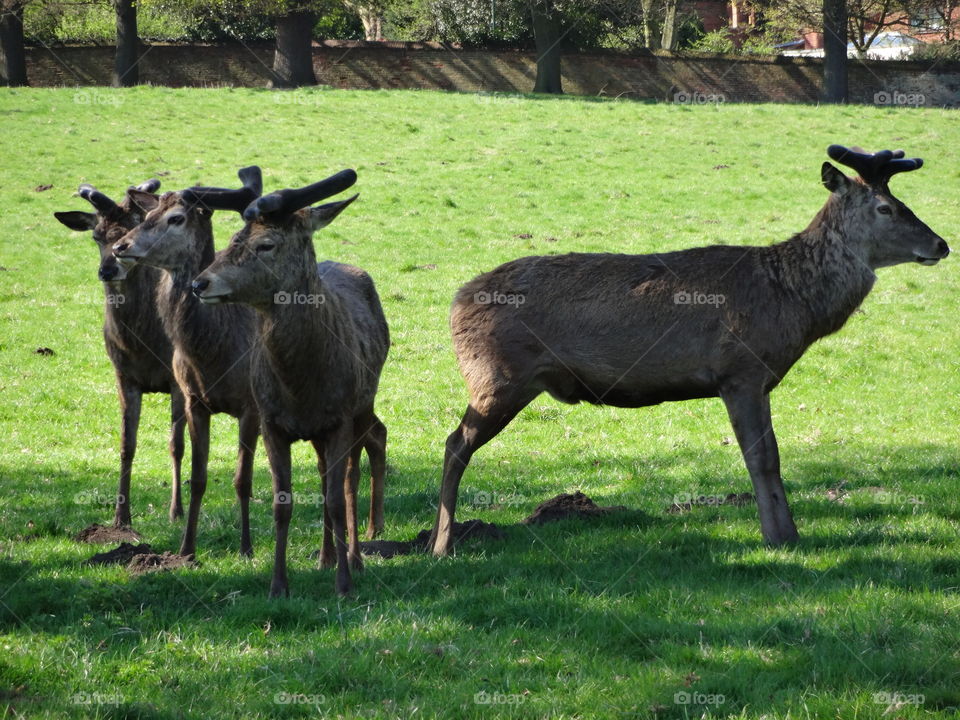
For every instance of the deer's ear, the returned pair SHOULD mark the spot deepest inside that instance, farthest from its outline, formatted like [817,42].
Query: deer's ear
[322,215]
[146,201]
[77,220]
[834,180]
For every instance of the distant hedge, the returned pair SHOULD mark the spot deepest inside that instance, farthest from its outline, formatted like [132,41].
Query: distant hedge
[163,20]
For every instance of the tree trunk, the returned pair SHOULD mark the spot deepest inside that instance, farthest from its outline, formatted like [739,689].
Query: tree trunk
[547,35]
[372,23]
[668,38]
[293,58]
[835,51]
[650,39]
[125,70]
[11,44]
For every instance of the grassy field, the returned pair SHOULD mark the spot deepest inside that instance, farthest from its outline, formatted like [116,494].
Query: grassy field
[643,613]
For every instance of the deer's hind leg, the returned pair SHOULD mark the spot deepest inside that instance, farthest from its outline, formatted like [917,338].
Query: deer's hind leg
[375,443]
[482,421]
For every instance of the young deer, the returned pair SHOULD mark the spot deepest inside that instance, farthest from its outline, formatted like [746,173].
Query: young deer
[625,330]
[323,340]
[211,346]
[133,335]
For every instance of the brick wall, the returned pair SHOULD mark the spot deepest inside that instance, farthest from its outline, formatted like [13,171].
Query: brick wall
[685,77]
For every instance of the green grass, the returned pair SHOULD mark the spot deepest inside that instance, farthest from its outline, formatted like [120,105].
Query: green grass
[606,619]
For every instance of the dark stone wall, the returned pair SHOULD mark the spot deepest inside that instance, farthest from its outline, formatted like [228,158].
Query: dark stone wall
[678,77]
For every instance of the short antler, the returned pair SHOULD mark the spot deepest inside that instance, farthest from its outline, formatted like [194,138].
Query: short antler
[874,168]
[224,199]
[100,202]
[151,185]
[282,203]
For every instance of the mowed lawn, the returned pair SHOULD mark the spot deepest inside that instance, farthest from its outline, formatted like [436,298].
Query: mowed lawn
[642,613]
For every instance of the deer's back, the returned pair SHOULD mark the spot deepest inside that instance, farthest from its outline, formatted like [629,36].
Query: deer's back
[625,329]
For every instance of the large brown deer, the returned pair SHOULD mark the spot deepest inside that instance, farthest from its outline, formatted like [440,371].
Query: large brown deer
[636,330]
[323,340]
[138,347]
[211,346]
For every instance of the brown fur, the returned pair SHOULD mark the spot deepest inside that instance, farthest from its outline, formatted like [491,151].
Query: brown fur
[315,371]
[608,329]
[212,346]
[137,346]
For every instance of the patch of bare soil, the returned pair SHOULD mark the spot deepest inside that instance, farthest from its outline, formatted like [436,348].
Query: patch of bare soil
[568,505]
[739,500]
[120,555]
[470,530]
[106,535]
[152,562]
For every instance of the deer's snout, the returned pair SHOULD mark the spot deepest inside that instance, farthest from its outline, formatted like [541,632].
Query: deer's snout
[199,285]
[108,272]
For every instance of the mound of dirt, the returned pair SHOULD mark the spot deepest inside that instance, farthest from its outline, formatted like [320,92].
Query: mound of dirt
[566,505]
[469,530]
[385,548]
[102,534]
[739,500]
[152,562]
[472,529]
[120,555]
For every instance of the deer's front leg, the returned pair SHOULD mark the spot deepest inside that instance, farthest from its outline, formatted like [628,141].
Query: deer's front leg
[178,421]
[749,413]
[337,449]
[130,403]
[198,420]
[278,453]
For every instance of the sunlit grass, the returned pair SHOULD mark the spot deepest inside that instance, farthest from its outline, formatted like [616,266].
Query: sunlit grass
[614,618]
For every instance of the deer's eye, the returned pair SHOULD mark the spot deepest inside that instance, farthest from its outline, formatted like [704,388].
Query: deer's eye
[265,247]
[177,219]
[885,210]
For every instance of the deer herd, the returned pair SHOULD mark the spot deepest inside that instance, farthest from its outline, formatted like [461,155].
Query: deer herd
[293,349]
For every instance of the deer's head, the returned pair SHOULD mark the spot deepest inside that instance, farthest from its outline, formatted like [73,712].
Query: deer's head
[273,252]
[111,221]
[879,227]
[177,228]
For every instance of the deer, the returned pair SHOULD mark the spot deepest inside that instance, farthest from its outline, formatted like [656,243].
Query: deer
[322,343]
[135,341]
[211,346]
[718,321]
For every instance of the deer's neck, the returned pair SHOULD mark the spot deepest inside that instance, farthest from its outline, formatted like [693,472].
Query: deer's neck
[309,349]
[187,322]
[130,316]
[823,270]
